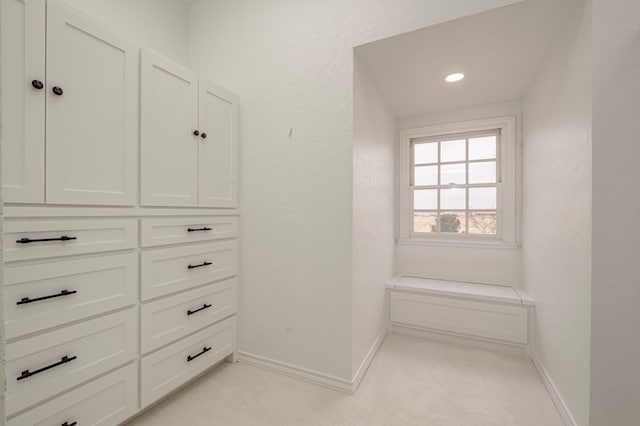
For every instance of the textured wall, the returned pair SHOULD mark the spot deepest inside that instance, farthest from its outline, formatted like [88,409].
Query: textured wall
[481,265]
[374,136]
[291,62]
[615,326]
[557,212]
[160,25]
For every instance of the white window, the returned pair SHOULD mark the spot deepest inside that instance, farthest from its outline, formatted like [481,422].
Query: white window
[457,183]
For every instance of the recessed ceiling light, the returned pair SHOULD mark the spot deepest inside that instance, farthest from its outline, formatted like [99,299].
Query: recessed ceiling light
[452,78]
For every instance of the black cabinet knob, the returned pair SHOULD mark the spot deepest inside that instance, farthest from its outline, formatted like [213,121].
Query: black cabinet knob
[57,90]
[203,135]
[37,84]
[195,132]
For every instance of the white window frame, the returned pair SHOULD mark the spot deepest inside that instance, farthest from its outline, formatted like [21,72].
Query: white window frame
[506,204]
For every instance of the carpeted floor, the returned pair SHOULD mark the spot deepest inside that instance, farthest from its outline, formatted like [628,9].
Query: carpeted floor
[410,382]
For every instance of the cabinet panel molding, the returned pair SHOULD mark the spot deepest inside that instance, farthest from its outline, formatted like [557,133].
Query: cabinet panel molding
[64,291]
[217,156]
[169,148]
[91,347]
[22,50]
[92,112]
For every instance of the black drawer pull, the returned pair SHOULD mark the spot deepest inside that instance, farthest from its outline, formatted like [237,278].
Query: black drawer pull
[199,229]
[65,359]
[205,306]
[200,265]
[29,240]
[69,424]
[204,351]
[26,300]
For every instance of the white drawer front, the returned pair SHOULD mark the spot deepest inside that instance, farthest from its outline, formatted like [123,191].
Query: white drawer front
[175,269]
[165,370]
[91,236]
[158,232]
[172,318]
[494,321]
[50,294]
[107,401]
[99,345]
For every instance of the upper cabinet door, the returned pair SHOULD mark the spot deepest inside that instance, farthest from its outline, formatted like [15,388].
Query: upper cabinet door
[169,145]
[218,156]
[92,112]
[22,47]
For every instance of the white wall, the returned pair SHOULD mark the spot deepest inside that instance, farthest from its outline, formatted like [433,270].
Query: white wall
[615,316]
[373,213]
[482,265]
[557,212]
[160,25]
[291,62]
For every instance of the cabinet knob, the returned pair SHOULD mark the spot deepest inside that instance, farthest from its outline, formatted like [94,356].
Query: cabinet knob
[203,135]
[57,90]
[37,84]
[195,132]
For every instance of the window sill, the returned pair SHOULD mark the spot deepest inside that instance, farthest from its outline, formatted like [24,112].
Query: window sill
[486,244]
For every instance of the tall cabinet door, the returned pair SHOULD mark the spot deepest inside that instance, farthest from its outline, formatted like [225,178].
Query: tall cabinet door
[169,147]
[22,39]
[218,156]
[92,112]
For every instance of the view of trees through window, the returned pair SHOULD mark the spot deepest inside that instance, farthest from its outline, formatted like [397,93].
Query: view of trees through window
[455,184]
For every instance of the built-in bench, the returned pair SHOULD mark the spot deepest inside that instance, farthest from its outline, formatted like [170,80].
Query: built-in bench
[477,312]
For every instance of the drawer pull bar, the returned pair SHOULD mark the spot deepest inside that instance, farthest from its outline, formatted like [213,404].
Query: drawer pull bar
[69,424]
[41,240]
[204,351]
[200,265]
[199,229]
[205,306]
[65,359]
[26,300]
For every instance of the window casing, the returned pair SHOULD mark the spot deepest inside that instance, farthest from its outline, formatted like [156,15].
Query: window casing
[457,183]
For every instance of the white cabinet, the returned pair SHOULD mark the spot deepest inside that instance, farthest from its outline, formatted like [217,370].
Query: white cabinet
[47,295]
[217,156]
[163,371]
[41,366]
[177,269]
[37,239]
[159,232]
[93,144]
[89,99]
[169,151]
[22,56]
[108,400]
[92,126]
[171,318]
[188,138]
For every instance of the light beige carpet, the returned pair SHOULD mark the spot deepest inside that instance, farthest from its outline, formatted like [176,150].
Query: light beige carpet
[410,382]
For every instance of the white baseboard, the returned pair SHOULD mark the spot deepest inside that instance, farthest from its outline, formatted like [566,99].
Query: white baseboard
[316,377]
[366,362]
[562,408]
[297,372]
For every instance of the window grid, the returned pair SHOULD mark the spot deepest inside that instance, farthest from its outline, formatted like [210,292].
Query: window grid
[439,187]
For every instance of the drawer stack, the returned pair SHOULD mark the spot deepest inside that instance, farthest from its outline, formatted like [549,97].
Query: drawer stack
[71,318]
[100,324]
[188,293]
[119,257]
